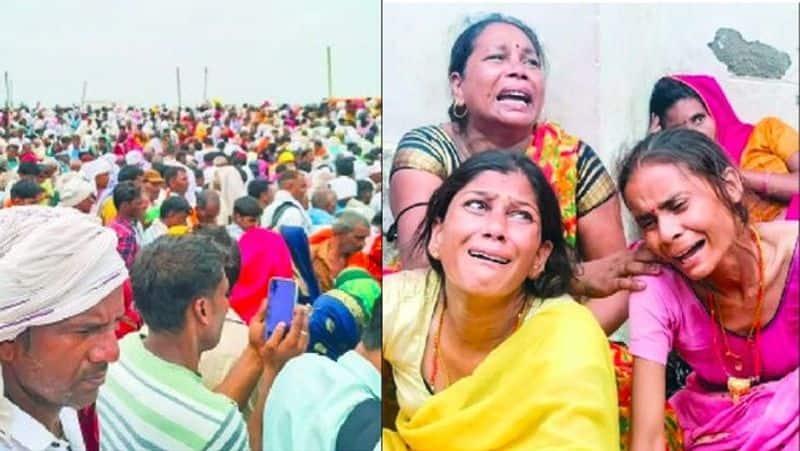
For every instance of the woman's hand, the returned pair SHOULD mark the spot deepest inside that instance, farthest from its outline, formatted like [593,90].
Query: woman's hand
[655,124]
[605,276]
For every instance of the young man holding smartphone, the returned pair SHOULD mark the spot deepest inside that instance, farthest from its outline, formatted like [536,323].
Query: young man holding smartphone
[154,396]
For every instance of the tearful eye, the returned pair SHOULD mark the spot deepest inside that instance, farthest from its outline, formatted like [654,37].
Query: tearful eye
[646,224]
[476,205]
[523,215]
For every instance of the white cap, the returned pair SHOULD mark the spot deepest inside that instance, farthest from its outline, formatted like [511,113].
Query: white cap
[344,187]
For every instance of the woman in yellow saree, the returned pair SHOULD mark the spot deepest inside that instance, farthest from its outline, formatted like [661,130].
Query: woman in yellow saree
[487,349]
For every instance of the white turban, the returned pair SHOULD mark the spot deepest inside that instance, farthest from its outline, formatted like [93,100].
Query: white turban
[74,189]
[96,167]
[344,187]
[55,263]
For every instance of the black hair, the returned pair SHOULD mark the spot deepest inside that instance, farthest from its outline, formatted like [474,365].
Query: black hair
[26,189]
[29,168]
[170,172]
[364,186]
[174,204]
[690,149]
[559,268]
[125,192]
[281,168]
[129,173]
[247,206]
[233,260]
[161,168]
[164,285]
[465,44]
[257,187]
[344,166]
[371,336]
[668,91]
[354,148]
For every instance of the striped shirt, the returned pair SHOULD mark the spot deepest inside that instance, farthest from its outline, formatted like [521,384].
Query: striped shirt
[149,403]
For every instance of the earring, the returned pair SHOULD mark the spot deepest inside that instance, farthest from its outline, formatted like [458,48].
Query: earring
[434,254]
[464,112]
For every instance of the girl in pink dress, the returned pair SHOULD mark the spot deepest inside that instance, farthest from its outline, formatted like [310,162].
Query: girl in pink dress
[728,304]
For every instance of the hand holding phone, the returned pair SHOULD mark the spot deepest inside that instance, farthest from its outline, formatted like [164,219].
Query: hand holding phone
[282,297]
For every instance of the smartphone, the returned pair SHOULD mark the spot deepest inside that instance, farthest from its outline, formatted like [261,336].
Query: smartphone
[282,299]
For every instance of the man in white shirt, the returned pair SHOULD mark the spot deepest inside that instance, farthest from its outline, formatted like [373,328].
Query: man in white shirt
[290,204]
[58,339]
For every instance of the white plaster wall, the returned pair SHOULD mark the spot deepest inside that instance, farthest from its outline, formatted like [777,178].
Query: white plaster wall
[603,61]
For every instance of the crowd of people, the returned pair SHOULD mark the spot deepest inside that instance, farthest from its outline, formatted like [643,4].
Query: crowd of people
[137,246]
[503,220]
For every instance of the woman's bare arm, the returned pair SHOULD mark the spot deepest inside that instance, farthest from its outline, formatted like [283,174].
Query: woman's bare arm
[649,388]
[408,187]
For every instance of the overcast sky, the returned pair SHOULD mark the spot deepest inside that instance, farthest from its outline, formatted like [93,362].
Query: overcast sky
[127,51]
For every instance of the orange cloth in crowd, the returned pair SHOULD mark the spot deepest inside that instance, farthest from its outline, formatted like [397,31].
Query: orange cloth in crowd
[201,131]
[769,148]
[370,262]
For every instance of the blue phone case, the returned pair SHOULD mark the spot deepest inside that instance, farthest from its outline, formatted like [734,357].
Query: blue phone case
[282,299]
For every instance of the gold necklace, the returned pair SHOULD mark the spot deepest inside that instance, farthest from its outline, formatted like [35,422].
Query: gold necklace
[740,386]
[437,357]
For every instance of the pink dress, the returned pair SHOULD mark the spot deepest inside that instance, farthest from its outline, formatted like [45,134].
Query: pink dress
[667,315]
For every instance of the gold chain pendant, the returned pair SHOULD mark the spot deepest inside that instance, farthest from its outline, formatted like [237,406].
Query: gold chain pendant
[738,387]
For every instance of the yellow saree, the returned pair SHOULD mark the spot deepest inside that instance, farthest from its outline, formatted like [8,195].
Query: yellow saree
[550,385]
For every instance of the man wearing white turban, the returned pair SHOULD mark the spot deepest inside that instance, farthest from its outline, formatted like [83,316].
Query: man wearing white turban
[60,299]
[76,192]
[99,172]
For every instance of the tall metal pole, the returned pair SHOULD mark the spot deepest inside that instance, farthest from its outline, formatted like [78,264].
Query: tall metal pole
[330,76]
[83,95]
[178,78]
[205,84]
[8,102]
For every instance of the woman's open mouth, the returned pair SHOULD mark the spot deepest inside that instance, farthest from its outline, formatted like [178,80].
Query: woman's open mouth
[488,257]
[685,256]
[515,96]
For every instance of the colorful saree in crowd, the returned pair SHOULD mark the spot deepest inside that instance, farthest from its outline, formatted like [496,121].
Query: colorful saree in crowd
[264,256]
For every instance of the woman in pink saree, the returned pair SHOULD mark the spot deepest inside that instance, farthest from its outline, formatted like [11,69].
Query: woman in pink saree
[766,153]
[726,302]
[264,256]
